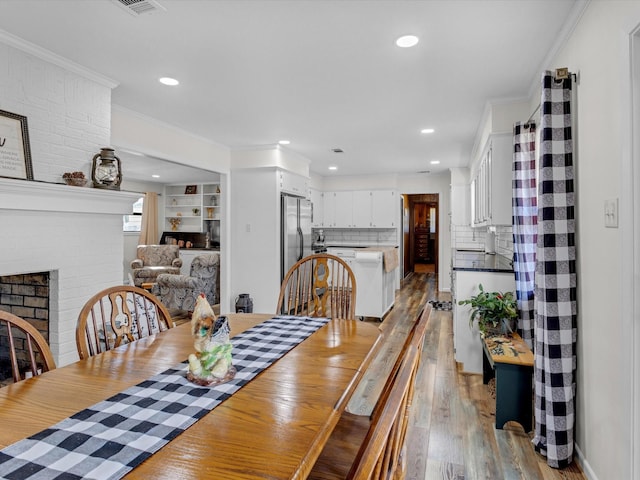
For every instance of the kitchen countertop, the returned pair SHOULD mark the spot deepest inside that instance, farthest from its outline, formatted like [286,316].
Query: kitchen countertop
[358,246]
[474,261]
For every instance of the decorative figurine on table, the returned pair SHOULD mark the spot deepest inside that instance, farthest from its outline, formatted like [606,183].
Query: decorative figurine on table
[211,364]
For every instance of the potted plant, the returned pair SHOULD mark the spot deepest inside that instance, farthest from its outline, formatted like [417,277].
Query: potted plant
[494,311]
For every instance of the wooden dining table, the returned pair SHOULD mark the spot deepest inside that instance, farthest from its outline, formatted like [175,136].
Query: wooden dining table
[274,427]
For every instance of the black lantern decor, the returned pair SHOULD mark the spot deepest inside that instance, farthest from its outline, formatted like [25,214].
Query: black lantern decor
[106,171]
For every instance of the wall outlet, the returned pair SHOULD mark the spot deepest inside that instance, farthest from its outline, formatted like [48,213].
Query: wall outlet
[611,213]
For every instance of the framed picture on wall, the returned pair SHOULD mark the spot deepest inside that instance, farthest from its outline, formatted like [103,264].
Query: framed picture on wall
[191,189]
[15,154]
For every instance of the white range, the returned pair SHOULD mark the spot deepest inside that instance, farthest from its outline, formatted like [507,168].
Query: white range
[375,281]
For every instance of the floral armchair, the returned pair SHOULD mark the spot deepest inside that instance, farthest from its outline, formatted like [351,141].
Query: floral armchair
[179,292]
[153,260]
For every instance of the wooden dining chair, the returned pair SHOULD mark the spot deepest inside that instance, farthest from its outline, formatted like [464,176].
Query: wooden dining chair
[27,348]
[118,315]
[414,338]
[362,447]
[319,285]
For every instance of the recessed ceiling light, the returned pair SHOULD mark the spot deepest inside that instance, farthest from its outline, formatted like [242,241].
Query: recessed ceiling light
[172,82]
[284,142]
[333,167]
[155,176]
[407,41]
[435,162]
[427,130]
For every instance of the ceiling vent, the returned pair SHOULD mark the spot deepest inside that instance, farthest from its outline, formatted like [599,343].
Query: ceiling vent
[337,150]
[140,7]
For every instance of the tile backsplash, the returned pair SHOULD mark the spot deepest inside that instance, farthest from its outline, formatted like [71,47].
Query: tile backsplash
[356,237]
[464,236]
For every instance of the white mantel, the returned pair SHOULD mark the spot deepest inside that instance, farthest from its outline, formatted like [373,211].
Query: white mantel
[74,233]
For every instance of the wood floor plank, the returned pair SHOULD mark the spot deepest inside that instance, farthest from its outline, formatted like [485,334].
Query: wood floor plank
[437,470]
[515,453]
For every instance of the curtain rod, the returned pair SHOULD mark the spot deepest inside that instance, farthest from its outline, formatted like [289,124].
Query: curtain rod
[561,74]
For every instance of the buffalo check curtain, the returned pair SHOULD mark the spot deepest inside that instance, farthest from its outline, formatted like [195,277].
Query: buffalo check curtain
[555,279]
[112,437]
[525,224]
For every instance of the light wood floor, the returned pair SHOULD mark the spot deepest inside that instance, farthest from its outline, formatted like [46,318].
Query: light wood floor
[452,433]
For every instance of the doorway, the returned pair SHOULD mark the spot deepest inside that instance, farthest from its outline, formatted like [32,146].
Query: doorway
[421,233]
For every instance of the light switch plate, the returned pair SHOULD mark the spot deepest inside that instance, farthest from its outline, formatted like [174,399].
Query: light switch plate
[611,213]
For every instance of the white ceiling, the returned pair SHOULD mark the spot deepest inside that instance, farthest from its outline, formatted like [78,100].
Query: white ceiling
[323,74]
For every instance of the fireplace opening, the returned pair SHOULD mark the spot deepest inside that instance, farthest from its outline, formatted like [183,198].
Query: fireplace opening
[26,296]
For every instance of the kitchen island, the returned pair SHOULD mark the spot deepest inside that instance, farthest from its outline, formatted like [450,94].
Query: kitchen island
[375,270]
[468,270]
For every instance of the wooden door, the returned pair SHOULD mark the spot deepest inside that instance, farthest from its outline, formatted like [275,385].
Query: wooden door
[423,231]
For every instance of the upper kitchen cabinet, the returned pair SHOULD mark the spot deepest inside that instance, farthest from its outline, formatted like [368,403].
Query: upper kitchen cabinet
[343,205]
[490,186]
[460,201]
[317,205]
[293,184]
[384,209]
[359,209]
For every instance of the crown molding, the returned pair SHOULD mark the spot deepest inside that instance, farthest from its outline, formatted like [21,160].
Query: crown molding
[48,56]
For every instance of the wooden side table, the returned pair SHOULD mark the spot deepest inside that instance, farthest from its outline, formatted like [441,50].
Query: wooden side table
[510,360]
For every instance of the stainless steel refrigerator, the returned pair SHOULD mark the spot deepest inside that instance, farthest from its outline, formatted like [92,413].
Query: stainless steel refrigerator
[295,231]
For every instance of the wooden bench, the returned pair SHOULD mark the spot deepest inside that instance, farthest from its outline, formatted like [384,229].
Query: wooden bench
[510,360]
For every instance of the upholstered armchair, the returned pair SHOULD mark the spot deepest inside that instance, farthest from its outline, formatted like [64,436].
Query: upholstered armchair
[153,260]
[179,292]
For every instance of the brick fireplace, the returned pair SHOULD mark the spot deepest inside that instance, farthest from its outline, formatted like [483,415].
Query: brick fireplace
[27,296]
[74,234]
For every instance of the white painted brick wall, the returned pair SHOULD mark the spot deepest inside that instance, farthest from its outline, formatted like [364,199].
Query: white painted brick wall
[80,248]
[69,120]
[68,116]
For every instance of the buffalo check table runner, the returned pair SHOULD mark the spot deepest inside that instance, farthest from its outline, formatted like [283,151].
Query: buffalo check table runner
[112,437]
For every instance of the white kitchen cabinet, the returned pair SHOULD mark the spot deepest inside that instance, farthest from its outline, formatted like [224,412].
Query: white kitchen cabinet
[460,205]
[317,204]
[466,341]
[293,184]
[343,217]
[491,184]
[384,209]
[376,286]
[361,209]
[329,209]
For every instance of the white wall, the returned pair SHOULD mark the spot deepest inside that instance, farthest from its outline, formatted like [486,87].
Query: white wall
[255,229]
[271,156]
[596,51]
[137,132]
